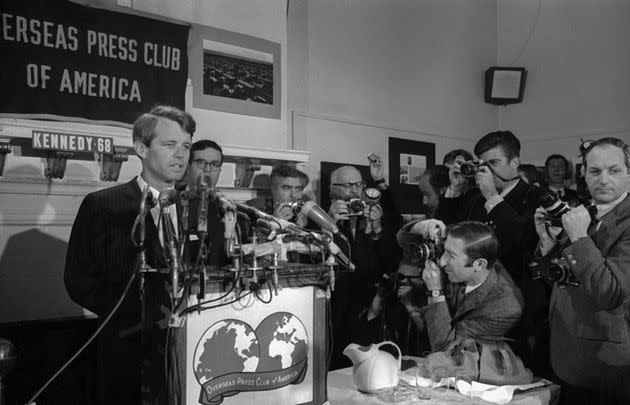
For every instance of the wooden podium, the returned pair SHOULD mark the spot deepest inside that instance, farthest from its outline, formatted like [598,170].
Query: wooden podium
[266,347]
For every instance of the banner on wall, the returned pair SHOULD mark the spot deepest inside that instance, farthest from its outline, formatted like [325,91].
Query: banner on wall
[67,61]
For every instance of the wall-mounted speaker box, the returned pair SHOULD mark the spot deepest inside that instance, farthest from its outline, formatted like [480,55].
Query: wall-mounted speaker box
[505,85]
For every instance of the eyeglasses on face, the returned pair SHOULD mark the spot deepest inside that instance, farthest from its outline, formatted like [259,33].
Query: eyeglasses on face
[348,186]
[214,166]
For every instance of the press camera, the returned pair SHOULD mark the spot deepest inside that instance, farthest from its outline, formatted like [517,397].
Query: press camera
[554,207]
[553,269]
[358,206]
[470,168]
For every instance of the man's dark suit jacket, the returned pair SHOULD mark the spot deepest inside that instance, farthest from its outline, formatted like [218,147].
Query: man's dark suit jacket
[100,260]
[355,290]
[490,311]
[590,323]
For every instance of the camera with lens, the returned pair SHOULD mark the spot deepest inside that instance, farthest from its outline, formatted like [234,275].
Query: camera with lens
[357,206]
[556,208]
[295,206]
[553,269]
[388,284]
[553,206]
[470,168]
[429,250]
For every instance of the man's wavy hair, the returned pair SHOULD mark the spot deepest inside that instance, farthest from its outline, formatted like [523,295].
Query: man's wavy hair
[144,127]
[480,240]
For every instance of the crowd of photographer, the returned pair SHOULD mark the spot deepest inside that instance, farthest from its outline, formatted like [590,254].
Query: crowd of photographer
[544,266]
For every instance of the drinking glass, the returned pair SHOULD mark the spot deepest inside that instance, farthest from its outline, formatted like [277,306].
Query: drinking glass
[438,376]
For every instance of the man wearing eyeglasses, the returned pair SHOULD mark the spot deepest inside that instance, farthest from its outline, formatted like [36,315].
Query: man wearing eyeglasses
[372,247]
[206,157]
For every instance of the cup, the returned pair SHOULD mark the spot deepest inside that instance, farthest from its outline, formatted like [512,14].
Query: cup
[421,380]
[440,379]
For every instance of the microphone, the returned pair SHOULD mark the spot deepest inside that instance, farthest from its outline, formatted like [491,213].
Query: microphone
[143,213]
[254,213]
[225,204]
[204,184]
[166,198]
[316,214]
[334,249]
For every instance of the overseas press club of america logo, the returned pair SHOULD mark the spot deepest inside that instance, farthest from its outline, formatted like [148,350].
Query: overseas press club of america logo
[232,357]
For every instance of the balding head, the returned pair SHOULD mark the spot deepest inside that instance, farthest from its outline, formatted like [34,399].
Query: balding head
[345,175]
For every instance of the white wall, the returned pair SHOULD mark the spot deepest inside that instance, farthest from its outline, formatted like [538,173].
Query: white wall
[411,68]
[578,61]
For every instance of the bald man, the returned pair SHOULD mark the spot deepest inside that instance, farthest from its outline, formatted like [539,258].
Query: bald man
[373,250]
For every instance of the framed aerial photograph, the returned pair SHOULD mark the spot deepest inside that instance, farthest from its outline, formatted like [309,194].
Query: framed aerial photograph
[234,73]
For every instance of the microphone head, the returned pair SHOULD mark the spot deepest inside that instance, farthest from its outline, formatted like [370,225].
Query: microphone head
[167,197]
[316,214]
[204,181]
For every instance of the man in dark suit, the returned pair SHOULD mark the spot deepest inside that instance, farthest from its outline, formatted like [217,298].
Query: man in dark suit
[101,258]
[557,171]
[373,250]
[590,319]
[206,158]
[506,203]
[479,300]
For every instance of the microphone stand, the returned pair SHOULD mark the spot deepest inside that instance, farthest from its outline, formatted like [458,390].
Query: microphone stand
[172,248]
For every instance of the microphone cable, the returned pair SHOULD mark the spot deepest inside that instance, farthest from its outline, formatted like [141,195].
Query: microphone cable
[91,338]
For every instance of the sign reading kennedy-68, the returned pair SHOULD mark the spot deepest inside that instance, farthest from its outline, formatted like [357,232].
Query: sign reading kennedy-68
[72,142]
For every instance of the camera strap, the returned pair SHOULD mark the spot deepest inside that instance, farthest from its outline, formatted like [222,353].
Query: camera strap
[500,177]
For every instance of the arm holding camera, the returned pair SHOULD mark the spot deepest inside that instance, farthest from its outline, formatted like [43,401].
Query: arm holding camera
[599,262]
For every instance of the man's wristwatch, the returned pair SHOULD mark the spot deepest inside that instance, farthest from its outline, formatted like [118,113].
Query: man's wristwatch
[435,293]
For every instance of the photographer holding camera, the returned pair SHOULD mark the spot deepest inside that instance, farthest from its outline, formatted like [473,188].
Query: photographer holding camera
[287,195]
[370,233]
[478,299]
[590,319]
[506,203]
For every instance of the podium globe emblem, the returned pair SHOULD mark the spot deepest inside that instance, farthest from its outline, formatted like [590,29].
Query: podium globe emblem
[232,357]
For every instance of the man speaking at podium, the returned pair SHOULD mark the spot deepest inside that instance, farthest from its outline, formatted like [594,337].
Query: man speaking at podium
[101,256]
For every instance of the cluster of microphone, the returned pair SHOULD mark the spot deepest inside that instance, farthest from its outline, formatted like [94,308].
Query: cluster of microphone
[202,195]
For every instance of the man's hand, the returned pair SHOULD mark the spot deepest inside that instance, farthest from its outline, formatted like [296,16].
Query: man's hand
[485,182]
[432,276]
[339,210]
[284,211]
[376,167]
[301,220]
[576,222]
[547,241]
[429,228]
[458,182]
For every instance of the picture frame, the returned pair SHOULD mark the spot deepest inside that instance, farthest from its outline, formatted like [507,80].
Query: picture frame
[407,161]
[235,73]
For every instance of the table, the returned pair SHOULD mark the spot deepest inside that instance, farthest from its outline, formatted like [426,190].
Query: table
[342,391]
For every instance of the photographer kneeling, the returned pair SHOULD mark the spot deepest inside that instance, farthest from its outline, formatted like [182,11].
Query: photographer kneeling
[477,300]
[589,263]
